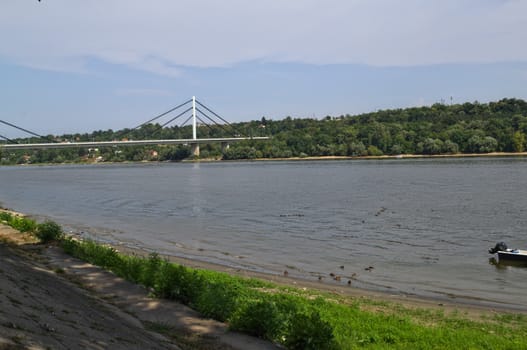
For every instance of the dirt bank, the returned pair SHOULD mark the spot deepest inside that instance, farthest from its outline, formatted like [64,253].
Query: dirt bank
[49,300]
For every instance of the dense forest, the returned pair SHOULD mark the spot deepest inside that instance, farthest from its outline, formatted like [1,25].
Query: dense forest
[439,129]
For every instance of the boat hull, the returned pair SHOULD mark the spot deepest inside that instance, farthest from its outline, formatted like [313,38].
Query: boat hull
[513,255]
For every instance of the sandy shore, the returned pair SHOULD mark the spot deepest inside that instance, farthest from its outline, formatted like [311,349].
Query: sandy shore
[398,156]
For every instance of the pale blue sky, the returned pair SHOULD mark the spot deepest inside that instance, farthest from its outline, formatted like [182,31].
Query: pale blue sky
[79,66]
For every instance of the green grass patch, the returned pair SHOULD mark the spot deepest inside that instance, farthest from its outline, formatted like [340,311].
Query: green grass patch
[301,319]
[46,232]
[19,223]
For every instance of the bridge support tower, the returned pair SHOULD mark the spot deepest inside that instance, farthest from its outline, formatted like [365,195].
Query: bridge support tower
[194,149]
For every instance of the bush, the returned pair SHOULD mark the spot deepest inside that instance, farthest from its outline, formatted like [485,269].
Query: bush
[5,217]
[261,318]
[168,280]
[219,299]
[309,331]
[48,231]
[129,268]
[149,270]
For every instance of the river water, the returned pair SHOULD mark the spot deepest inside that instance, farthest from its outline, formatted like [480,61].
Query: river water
[423,226]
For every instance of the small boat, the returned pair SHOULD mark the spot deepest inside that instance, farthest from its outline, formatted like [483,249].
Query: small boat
[507,254]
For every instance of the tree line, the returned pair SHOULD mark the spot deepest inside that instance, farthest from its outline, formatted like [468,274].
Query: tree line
[471,127]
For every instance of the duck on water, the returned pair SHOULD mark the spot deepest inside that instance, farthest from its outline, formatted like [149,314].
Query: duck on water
[507,254]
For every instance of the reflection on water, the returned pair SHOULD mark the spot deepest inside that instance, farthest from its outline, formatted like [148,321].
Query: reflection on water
[424,226]
[505,264]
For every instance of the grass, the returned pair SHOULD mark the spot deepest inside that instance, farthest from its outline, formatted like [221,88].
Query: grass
[305,319]
[47,231]
[19,223]
[300,319]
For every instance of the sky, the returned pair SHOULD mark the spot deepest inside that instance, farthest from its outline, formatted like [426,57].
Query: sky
[69,66]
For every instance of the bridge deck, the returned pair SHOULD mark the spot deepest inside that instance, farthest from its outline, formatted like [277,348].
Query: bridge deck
[126,143]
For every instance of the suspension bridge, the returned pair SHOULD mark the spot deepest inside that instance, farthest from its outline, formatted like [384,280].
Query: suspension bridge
[196,109]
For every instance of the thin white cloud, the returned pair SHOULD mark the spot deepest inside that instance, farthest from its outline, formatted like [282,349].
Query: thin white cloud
[161,36]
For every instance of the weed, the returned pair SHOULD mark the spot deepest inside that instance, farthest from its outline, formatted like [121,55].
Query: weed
[19,223]
[48,231]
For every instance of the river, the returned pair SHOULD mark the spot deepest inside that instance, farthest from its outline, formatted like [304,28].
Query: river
[420,227]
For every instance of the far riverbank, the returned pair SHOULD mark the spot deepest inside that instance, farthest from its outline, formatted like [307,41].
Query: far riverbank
[397,156]
[415,156]
[307,158]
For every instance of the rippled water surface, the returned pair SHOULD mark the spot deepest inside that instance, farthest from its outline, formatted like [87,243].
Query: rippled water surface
[423,225]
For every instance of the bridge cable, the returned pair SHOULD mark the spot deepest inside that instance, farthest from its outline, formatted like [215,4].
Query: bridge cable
[8,139]
[223,120]
[176,117]
[28,131]
[126,134]
[212,120]
[186,121]
[170,121]
[161,115]
[207,125]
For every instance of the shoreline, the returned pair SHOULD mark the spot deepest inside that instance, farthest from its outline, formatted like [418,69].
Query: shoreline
[299,159]
[471,307]
[329,158]
[398,156]
[474,307]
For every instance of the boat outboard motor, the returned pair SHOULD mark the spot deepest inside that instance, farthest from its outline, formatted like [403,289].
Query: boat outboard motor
[500,246]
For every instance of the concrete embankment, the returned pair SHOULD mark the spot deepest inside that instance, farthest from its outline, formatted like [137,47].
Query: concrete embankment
[50,300]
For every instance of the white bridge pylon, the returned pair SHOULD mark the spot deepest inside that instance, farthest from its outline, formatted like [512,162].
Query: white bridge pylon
[194,147]
[194,131]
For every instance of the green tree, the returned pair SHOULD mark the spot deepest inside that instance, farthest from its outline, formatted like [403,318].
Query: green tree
[450,147]
[478,144]
[374,151]
[432,146]
[396,149]
[357,149]
[518,141]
